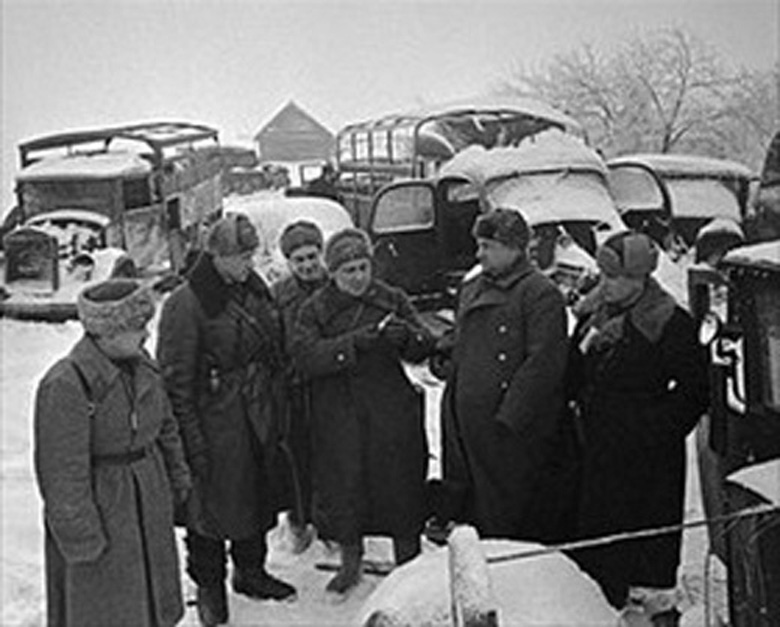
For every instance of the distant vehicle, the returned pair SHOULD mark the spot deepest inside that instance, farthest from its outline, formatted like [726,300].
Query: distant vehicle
[414,144]
[671,197]
[765,223]
[738,306]
[270,212]
[422,228]
[142,190]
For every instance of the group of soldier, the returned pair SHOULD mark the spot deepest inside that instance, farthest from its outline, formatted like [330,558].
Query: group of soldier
[295,397]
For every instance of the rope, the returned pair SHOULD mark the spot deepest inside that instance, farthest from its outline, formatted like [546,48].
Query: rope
[633,535]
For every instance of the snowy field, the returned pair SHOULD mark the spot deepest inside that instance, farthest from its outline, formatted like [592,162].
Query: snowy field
[29,348]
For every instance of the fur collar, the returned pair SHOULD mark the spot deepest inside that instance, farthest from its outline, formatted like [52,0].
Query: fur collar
[213,292]
[649,314]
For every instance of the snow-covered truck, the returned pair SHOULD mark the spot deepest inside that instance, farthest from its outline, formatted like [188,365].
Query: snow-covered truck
[414,144]
[85,198]
[671,197]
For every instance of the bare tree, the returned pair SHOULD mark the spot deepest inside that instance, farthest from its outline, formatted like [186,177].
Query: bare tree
[662,91]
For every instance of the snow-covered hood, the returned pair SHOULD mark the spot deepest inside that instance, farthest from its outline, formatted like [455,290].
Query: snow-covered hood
[551,177]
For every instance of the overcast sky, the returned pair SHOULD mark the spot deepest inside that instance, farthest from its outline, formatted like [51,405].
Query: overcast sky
[69,64]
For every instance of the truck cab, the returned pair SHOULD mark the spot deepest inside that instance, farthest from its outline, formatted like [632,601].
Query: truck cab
[143,191]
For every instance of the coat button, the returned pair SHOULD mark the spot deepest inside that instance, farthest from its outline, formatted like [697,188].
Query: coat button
[504,385]
[503,329]
[340,357]
[502,357]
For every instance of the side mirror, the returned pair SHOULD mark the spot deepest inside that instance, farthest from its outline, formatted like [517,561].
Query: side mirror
[709,329]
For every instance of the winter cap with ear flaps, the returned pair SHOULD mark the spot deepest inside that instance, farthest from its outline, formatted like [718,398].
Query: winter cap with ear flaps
[232,234]
[628,254]
[114,306]
[298,234]
[506,226]
[347,245]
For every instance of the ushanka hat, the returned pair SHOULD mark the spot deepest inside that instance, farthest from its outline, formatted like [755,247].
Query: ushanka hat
[114,306]
[298,234]
[503,225]
[347,245]
[232,234]
[628,254]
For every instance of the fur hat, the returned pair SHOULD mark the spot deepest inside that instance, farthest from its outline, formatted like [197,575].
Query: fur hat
[628,254]
[232,234]
[503,225]
[347,245]
[113,306]
[298,234]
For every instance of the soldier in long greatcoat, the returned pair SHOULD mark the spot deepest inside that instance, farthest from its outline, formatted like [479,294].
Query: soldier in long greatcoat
[109,463]
[301,243]
[370,447]
[639,378]
[220,349]
[504,427]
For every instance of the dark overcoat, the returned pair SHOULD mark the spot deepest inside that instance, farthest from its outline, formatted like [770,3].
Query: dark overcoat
[110,549]
[289,294]
[370,450]
[503,405]
[220,349]
[640,392]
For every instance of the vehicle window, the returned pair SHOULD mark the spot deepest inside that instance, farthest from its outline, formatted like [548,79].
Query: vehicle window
[634,188]
[404,208]
[702,198]
[136,193]
[40,196]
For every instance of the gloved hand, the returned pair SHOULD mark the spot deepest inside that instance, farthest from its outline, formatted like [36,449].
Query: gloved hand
[200,465]
[365,338]
[396,332]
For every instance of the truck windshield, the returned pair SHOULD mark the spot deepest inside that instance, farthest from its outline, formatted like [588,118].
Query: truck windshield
[702,198]
[41,196]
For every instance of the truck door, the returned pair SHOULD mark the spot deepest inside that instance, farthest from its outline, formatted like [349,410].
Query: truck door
[406,245]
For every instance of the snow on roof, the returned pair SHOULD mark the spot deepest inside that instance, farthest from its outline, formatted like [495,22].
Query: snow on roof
[562,179]
[685,165]
[522,105]
[548,151]
[764,254]
[99,166]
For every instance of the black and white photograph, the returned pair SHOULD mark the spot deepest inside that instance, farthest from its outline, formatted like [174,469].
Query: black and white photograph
[390,313]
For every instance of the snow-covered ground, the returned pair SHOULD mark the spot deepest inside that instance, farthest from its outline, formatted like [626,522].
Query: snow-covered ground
[27,351]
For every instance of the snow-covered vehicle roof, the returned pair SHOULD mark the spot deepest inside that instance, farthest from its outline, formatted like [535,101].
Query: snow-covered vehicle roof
[552,177]
[764,255]
[686,165]
[96,166]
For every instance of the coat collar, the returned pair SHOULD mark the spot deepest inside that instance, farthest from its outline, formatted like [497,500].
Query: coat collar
[100,372]
[213,292]
[378,294]
[291,289]
[485,290]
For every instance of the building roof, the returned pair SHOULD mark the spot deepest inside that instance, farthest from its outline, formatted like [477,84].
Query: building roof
[294,135]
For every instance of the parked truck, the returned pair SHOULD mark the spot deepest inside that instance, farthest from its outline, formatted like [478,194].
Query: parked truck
[84,198]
